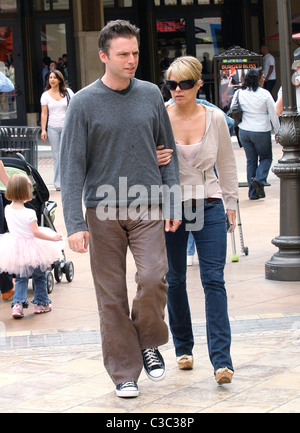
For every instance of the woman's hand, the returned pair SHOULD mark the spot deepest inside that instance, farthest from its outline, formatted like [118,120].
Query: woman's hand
[164,156]
[231,214]
[44,135]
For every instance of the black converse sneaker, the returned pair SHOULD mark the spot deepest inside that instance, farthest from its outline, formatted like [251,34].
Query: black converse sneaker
[127,389]
[154,364]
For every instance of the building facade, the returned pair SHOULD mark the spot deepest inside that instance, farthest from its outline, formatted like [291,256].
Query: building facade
[35,32]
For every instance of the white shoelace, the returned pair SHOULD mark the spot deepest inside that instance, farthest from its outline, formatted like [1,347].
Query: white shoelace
[129,383]
[151,358]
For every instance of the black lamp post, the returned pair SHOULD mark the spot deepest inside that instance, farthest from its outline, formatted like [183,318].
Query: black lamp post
[285,264]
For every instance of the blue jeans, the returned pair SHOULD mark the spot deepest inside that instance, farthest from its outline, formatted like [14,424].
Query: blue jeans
[39,279]
[258,150]
[211,243]
[54,135]
[191,245]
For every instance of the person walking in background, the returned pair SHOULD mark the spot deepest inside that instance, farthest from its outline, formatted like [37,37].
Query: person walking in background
[5,84]
[120,121]
[259,115]
[6,280]
[190,250]
[203,143]
[269,69]
[26,250]
[54,102]
[296,67]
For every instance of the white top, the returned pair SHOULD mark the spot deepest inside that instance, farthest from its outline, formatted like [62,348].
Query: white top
[19,220]
[259,110]
[189,152]
[56,109]
[268,61]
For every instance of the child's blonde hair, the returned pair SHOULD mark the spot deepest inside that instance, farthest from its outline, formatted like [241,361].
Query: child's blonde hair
[19,188]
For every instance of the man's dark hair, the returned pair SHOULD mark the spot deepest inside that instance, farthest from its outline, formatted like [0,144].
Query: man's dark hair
[116,29]
[252,79]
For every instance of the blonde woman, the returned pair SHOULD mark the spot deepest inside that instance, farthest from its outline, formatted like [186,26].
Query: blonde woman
[54,104]
[206,160]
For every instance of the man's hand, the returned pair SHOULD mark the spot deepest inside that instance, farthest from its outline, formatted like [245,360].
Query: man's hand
[78,242]
[172,225]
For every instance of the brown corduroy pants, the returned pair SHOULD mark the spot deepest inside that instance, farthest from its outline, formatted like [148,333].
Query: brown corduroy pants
[124,334]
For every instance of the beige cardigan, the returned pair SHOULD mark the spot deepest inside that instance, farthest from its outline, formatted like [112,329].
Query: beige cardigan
[216,149]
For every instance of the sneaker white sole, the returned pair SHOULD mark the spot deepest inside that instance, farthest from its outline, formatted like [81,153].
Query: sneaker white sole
[127,393]
[158,378]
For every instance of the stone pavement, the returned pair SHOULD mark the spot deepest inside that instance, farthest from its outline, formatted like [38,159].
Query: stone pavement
[53,363]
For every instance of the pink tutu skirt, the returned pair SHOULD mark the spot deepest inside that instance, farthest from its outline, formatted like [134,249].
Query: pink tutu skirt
[20,256]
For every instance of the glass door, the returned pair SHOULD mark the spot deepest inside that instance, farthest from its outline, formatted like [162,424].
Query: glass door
[12,104]
[208,43]
[55,51]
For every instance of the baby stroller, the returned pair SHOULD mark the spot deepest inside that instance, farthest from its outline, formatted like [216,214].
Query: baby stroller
[44,209]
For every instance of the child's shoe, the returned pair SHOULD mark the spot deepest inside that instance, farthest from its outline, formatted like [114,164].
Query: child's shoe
[17,311]
[39,309]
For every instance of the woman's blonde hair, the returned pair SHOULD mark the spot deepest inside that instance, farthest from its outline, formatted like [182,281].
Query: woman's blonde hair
[185,68]
[19,188]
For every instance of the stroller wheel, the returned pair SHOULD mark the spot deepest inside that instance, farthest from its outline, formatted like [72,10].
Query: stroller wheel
[69,271]
[58,272]
[50,282]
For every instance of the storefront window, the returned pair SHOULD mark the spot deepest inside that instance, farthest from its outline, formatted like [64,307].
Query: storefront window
[54,49]
[171,37]
[117,3]
[209,42]
[8,106]
[8,6]
[51,5]
[187,2]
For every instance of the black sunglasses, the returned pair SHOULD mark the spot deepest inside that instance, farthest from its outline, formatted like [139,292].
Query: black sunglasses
[183,84]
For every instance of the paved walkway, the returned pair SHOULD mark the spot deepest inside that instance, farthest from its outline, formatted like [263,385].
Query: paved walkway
[53,363]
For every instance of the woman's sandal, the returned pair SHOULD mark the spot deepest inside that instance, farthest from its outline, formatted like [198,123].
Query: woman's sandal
[223,375]
[185,362]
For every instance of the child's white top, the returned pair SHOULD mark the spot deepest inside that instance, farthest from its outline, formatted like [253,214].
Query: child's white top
[19,220]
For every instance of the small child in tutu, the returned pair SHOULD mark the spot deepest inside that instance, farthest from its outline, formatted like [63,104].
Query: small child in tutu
[27,250]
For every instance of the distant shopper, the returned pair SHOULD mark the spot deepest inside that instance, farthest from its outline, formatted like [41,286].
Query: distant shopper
[269,69]
[54,104]
[6,281]
[5,84]
[259,115]
[296,67]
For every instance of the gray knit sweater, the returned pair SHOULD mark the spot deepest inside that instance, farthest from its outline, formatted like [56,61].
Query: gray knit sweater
[110,135]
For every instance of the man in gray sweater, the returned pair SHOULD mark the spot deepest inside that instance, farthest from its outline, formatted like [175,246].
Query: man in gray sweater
[108,154]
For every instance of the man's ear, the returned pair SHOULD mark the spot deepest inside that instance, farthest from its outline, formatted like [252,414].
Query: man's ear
[103,56]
